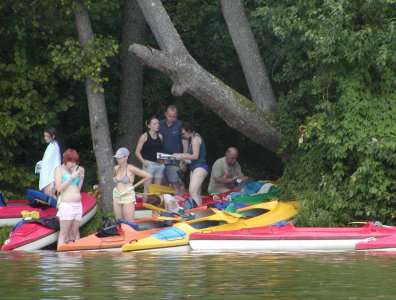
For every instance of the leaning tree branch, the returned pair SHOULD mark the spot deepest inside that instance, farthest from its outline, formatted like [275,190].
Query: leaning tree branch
[249,54]
[189,77]
[162,27]
[235,109]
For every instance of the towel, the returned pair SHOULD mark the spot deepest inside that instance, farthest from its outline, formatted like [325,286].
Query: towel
[50,161]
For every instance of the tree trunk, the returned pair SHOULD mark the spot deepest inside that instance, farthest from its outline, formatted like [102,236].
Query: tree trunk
[249,54]
[189,77]
[235,109]
[130,105]
[97,115]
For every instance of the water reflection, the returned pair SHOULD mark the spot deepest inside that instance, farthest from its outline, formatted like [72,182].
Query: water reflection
[156,275]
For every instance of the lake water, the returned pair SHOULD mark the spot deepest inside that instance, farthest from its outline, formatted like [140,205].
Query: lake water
[193,275]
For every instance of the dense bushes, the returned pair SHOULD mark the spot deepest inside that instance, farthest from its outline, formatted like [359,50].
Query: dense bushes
[335,69]
[345,168]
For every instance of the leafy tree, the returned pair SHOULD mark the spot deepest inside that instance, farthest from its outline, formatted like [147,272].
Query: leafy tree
[337,108]
[30,94]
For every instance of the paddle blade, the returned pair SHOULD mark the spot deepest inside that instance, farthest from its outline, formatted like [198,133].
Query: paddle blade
[153,207]
[236,215]
[160,189]
[168,218]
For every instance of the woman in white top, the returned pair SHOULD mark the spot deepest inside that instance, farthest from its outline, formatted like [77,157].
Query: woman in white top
[50,161]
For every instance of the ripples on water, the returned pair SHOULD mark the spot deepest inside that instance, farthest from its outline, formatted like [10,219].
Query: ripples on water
[160,275]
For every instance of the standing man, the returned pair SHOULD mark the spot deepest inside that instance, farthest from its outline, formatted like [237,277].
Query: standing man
[173,142]
[225,173]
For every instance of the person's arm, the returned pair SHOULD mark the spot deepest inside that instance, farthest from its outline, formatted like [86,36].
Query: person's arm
[185,145]
[239,172]
[139,147]
[81,171]
[58,178]
[139,172]
[114,171]
[219,174]
[196,142]
[225,180]
[61,186]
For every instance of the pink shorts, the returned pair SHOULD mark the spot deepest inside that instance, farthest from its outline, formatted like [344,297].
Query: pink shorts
[69,211]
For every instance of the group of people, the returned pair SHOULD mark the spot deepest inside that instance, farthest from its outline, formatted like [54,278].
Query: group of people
[179,140]
[183,143]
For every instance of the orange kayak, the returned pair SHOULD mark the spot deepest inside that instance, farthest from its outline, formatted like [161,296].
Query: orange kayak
[126,233]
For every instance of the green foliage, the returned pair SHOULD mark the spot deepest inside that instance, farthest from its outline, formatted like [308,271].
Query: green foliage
[332,65]
[79,64]
[336,76]
[4,233]
[29,97]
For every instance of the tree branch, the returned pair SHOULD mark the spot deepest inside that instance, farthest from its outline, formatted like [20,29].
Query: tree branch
[162,27]
[249,54]
[235,109]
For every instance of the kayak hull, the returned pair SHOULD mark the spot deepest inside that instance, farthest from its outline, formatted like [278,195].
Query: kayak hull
[178,235]
[42,204]
[289,238]
[387,243]
[34,236]
[126,234]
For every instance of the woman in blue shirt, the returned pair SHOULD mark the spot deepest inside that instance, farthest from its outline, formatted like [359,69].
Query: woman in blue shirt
[197,155]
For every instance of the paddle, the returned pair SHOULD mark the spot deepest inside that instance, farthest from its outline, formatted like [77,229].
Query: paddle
[157,189]
[153,207]
[168,218]
[236,215]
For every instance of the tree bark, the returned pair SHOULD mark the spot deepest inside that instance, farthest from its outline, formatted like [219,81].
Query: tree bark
[249,54]
[97,114]
[130,105]
[235,109]
[189,77]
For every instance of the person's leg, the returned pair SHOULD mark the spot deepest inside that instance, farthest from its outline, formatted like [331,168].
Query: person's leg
[74,231]
[158,173]
[128,210]
[65,227]
[173,178]
[147,183]
[50,190]
[118,212]
[196,179]
[157,180]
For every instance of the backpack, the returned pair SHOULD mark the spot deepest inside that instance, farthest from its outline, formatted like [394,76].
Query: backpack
[189,204]
[108,227]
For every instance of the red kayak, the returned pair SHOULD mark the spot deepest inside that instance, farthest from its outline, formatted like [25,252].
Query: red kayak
[11,211]
[35,235]
[387,243]
[290,238]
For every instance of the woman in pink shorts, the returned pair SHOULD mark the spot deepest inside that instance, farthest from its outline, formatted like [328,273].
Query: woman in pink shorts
[69,178]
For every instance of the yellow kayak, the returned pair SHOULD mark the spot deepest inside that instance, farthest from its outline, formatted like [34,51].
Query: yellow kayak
[262,214]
